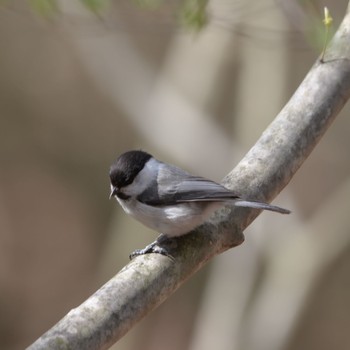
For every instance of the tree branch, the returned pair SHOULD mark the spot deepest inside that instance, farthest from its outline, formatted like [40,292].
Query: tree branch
[267,168]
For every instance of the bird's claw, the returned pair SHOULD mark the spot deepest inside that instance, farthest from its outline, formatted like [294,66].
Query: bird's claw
[153,248]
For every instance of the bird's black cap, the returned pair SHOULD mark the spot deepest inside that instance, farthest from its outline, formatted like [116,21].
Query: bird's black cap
[124,170]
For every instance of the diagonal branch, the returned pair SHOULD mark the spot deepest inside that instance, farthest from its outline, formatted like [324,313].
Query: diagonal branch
[267,168]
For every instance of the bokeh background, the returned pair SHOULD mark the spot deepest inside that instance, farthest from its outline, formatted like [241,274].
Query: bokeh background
[77,89]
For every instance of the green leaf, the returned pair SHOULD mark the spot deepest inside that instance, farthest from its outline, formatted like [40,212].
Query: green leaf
[193,13]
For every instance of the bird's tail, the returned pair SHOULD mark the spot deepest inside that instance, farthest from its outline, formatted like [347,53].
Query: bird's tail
[260,205]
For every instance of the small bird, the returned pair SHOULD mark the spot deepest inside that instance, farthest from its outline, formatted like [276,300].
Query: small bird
[168,199]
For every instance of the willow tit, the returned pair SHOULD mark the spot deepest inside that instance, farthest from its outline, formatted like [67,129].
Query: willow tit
[168,199]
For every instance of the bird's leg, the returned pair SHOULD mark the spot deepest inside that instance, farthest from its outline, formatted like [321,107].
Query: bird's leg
[155,247]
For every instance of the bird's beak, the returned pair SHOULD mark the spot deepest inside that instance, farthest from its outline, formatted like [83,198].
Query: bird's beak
[113,192]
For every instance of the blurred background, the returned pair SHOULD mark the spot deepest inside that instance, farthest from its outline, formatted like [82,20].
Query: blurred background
[78,88]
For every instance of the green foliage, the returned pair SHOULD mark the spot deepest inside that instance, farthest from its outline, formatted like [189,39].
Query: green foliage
[194,13]
[46,8]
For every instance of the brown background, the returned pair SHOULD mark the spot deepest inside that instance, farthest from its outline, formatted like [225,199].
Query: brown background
[77,90]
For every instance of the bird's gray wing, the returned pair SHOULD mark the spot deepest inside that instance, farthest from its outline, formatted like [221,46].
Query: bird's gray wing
[174,186]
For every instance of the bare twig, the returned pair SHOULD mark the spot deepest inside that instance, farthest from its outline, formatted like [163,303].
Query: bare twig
[148,280]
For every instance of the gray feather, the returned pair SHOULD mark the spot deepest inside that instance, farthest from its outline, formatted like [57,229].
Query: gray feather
[260,205]
[175,185]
